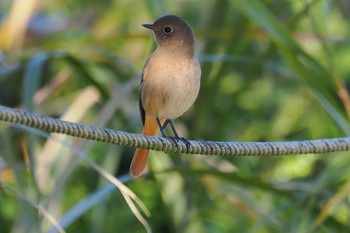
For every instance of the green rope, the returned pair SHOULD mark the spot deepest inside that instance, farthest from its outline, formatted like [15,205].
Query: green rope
[52,125]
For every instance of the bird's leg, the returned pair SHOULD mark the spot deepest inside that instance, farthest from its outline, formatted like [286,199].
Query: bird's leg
[166,123]
[173,128]
[173,139]
[185,140]
[161,128]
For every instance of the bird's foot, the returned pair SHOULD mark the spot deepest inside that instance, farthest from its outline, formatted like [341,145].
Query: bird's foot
[175,140]
[172,139]
[187,143]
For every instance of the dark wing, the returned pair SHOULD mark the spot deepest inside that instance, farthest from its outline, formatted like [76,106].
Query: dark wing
[142,110]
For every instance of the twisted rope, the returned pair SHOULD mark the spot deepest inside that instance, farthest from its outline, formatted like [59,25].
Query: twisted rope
[52,125]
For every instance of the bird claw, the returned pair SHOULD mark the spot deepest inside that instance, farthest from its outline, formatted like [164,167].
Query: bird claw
[172,139]
[176,139]
[187,143]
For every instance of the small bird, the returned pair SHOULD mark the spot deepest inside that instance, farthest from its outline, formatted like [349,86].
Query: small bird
[170,81]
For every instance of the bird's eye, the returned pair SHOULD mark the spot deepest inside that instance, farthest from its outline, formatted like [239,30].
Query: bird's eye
[167,29]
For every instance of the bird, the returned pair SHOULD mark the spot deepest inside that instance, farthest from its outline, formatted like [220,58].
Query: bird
[170,81]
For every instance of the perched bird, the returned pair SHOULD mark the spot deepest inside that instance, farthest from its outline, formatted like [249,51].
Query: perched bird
[170,81]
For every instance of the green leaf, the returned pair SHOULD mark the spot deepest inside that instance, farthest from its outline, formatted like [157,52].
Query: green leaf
[32,75]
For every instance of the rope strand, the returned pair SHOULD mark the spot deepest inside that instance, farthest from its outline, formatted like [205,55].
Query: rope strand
[53,125]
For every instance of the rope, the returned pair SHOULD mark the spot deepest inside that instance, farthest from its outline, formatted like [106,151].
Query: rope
[53,125]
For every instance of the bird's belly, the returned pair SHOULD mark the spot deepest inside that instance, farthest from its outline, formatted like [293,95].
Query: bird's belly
[169,96]
[180,99]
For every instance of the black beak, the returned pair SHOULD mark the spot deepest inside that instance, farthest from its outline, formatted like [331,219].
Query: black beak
[149,26]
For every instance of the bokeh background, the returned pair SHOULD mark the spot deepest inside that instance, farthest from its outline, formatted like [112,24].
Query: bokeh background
[271,71]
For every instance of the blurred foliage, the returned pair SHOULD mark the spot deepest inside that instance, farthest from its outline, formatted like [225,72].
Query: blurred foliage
[271,70]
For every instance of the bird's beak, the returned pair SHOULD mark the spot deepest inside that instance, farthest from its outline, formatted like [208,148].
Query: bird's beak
[149,26]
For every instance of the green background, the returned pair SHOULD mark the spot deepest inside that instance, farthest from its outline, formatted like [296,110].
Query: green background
[271,71]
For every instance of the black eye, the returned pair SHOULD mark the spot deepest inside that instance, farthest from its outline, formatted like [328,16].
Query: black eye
[167,29]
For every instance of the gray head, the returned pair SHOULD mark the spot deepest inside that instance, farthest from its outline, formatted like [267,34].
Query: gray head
[172,32]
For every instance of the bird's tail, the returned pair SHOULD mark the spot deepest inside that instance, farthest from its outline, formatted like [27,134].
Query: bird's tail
[139,161]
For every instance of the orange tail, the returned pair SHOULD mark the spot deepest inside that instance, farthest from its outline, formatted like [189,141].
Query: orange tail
[139,161]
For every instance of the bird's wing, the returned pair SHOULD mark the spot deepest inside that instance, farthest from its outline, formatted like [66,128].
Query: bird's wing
[142,110]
